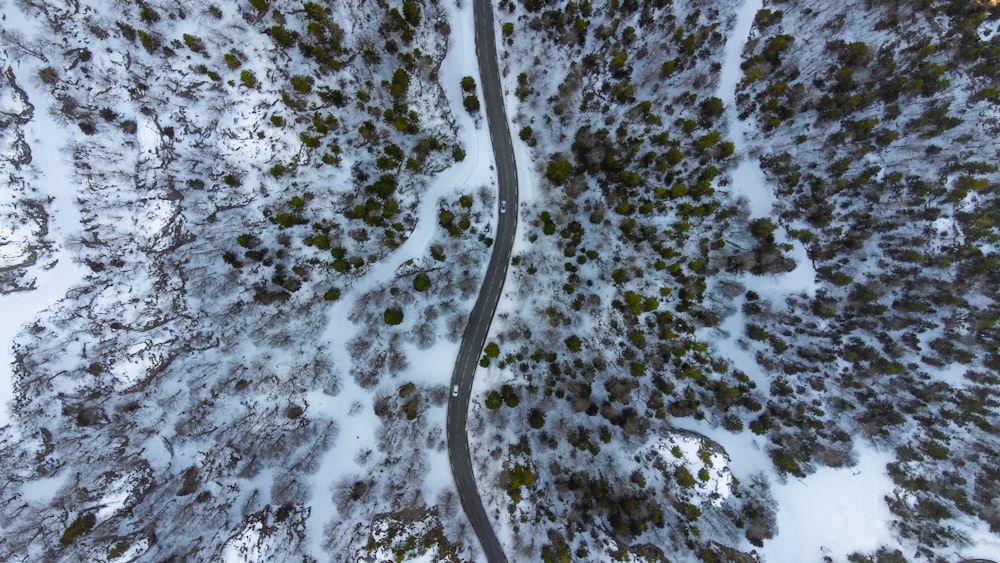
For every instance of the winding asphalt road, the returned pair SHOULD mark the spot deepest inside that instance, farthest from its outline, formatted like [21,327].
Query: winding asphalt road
[482,313]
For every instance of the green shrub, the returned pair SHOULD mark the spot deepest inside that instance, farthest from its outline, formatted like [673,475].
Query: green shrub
[411,12]
[393,316]
[247,240]
[536,418]
[762,229]
[286,220]
[148,14]
[248,79]
[82,525]
[150,41]
[302,84]
[510,395]
[309,140]
[573,343]
[785,462]
[281,36]
[756,332]
[492,350]
[232,61]
[493,400]
[119,549]
[712,108]
[683,477]
[558,171]
[194,43]
[421,282]
[400,84]
[937,451]
[284,512]
[520,475]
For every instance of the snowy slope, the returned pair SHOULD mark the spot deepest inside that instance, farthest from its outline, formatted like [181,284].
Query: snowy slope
[751,313]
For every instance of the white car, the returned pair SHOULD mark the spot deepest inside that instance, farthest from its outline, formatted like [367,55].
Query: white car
[454,391]
[503,206]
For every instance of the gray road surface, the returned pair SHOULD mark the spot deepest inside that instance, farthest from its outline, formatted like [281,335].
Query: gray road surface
[482,313]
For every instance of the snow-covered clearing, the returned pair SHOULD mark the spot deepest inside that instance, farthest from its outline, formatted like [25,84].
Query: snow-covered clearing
[433,366]
[833,512]
[52,174]
[750,184]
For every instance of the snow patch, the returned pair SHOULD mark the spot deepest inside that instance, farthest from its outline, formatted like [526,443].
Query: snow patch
[383,535]
[708,465]
[952,374]
[251,544]
[834,512]
[42,491]
[115,495]
[989,30]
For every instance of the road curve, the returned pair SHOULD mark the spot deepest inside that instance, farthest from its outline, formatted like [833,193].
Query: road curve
[482,313]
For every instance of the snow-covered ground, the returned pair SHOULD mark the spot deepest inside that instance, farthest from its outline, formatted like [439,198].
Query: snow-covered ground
[52,174]
[196,383]
[908,258]
[175,177]
[833,512]
[682,450]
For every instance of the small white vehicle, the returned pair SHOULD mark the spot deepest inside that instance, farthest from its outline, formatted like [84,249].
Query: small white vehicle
[503,206]
[454,391]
